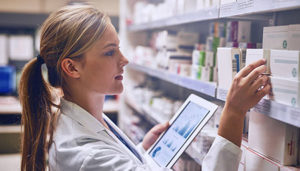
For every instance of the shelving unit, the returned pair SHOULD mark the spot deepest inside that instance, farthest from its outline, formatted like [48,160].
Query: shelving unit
[207,14]
[270,108]
[271,12]
[207,88]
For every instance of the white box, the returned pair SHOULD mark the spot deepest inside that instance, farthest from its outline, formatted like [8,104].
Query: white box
[21,47]
[286,91]
[290,168]
[229,60]
[187,38]
[258,162]
[274,139]
[253,55]
[209,58]
[285,64]
[3,50]
[294,37]
[275,37]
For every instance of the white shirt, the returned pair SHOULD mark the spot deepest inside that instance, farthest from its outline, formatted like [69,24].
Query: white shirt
[82,143]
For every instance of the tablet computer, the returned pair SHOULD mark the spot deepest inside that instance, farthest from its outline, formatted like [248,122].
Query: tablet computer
[184,126]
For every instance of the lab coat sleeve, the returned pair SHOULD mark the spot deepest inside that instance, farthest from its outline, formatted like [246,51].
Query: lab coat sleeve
[111,160]
[222,156]
[141,149]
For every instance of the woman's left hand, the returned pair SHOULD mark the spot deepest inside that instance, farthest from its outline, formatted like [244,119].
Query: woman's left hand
[153,134]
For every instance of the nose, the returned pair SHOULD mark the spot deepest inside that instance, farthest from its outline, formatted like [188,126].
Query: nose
[124,60]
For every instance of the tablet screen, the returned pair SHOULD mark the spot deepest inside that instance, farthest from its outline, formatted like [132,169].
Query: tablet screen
[177,134]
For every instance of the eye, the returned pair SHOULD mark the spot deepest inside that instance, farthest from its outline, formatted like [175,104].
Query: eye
[110,53]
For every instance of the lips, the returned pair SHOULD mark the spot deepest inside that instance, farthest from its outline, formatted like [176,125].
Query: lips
[119,77]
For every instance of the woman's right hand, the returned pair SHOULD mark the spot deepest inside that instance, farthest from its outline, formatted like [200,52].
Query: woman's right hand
[247,88]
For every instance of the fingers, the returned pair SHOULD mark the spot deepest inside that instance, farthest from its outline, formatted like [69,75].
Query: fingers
[158,129]
[253,75]
[245,71]
[264,91]
[261,81]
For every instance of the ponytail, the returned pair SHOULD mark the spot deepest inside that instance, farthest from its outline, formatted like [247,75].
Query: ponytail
[35,98]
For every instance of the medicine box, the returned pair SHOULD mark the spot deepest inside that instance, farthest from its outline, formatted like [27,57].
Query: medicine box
[275,37]
[294,37]
[229,60]
[274,139]
[238,31]
[285,64]
[253,55]
[286,91]
[258,162]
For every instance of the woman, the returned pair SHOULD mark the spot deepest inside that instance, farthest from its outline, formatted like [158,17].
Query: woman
[80,48]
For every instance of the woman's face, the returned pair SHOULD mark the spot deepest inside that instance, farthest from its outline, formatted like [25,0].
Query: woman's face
[102,66]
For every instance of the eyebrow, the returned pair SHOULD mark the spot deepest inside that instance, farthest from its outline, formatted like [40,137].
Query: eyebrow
[110,44]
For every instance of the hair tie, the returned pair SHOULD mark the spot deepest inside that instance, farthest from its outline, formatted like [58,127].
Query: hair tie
[40,60]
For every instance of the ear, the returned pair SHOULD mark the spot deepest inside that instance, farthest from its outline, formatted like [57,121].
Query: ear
[70,68]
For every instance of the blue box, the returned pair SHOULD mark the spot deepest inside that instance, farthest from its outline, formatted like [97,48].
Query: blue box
[7,79]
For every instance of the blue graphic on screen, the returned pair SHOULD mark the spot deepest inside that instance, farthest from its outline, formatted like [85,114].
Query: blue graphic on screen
[173,139]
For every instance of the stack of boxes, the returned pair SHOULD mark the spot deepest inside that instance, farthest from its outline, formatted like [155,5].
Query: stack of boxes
[204,55]
[284,62]
[274,145]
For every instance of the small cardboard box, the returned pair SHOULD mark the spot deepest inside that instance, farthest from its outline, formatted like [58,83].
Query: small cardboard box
[229,64]
[275,37]
[274,139]
[285,64]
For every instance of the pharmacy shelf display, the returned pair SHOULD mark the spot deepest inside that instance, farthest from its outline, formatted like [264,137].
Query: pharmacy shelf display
[206,14]
[156,119]
[228,10]
[256,6]
[270,108]
[207,88]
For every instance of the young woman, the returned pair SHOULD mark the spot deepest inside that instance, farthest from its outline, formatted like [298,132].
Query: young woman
[80,48]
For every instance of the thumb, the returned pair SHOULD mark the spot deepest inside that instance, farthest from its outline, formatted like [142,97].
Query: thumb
[160,128]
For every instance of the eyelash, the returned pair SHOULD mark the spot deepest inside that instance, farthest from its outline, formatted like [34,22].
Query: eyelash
[110,53]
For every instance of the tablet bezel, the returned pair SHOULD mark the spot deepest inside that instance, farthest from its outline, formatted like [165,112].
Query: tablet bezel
[211,107]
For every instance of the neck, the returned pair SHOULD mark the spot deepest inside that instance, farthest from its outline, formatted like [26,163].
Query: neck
[91,102]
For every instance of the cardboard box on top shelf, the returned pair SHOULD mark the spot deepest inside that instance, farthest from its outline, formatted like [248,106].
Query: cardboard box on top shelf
[286,91]
[275,37]
[229,60]
[274,139]
[238,31]
[285,64]
[294,37]
[253,55]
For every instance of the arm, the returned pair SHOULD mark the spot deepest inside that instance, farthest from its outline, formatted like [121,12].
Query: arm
[247,88]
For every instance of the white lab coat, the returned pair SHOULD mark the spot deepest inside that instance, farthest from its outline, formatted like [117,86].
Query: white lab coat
[82,143]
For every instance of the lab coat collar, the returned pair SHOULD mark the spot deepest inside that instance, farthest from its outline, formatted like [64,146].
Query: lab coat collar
[80,115]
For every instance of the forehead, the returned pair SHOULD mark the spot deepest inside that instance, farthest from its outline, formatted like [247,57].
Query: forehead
[109,36]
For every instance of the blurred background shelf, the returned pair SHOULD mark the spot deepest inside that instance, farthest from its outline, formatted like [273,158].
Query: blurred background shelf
[245,7]
[207,88]
[203,15]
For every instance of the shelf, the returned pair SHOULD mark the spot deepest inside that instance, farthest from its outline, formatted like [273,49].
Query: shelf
[10,129]
[275,110]
[207,88]
[245,7]
[230,10]
[207,14]
[281,112]
[143,111]
[10,105]
[111,106]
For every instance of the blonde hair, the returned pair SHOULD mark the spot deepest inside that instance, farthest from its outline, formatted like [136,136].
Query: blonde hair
[67,33]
